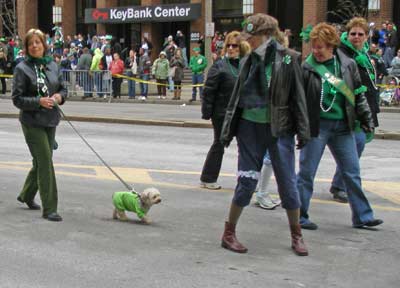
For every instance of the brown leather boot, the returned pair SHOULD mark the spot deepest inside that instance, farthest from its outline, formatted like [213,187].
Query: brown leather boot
[229,240]
[298,245]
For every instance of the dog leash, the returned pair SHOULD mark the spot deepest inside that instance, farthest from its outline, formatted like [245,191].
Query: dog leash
[130,188]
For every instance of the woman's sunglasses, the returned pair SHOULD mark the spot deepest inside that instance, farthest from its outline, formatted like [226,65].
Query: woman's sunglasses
[232,45]
[357,34]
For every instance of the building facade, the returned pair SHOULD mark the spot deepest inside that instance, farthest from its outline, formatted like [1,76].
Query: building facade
[131,20]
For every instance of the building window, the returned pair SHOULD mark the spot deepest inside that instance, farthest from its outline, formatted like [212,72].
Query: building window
[57,14]
[227,8]
[248,7]
[374,4]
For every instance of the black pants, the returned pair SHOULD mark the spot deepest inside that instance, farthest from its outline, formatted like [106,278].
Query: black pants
[3,85]
[116,86]
[212,165]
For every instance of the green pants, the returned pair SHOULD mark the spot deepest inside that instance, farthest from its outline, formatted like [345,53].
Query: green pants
[41,176]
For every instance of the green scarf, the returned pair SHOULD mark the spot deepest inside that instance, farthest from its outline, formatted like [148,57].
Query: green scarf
[361,57]
[39,61]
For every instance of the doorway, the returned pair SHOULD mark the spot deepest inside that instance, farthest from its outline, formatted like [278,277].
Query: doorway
[170,28]
[290,16]
[45,20]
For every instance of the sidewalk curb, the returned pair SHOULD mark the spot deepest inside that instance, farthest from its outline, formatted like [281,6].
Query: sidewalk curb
[152,99]
[146,122]
[380,134]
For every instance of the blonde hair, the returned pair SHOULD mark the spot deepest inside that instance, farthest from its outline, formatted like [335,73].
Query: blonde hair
[325,33]
[357,22]
[30,34]
[244,47]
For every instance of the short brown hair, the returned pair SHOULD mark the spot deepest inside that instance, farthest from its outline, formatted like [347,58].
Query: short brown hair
[29,36]
[357,22]
[244,46]
[325,33]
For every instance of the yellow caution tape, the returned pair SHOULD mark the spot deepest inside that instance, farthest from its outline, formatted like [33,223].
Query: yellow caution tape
[6,76]
[388,86]
[130,78]
[154,83]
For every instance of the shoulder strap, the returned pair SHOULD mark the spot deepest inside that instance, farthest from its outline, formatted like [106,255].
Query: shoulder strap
[336,82]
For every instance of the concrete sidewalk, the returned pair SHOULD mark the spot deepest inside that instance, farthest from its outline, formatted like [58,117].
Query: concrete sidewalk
[166,112]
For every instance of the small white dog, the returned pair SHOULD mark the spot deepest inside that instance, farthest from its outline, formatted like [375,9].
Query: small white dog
[138,203]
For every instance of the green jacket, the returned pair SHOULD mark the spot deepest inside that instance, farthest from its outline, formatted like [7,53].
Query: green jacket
[96,60]
[198,64]
[128,201]
[160,68]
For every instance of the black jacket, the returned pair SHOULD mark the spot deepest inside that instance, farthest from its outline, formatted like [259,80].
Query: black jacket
[24,94]
[373,92]
[286,101]
[312,88]
[218,88]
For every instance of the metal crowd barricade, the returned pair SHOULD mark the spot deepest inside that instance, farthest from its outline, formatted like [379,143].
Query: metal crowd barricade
[86,83]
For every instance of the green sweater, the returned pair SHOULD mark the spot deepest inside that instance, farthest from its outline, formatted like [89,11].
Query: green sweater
[128,201]
[198,64]
[337,112]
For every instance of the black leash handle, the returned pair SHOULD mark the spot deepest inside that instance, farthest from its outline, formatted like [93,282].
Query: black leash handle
[127,186]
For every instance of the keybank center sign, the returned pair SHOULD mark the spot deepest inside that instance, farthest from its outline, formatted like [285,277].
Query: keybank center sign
[160,13]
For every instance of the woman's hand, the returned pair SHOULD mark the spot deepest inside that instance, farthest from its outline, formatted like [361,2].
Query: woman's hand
[57,98]
[46,102]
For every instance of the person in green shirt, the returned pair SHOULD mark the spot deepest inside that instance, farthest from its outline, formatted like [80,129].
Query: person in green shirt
[198,63]
[335,101]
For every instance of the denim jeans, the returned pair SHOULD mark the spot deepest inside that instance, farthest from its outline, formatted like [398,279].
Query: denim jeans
[171,86]
[87,82]
[98,82]
[253,140]
[144,86]
[197,79]
[131,86]
[184,54]
[342,144]
[286,149]
[337,182]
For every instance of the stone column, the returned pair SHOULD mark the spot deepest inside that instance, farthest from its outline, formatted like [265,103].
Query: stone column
[314,12]
[261,6]
[27,16]
[68,16]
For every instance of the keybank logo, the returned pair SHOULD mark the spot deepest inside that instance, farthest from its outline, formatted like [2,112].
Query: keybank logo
[97,14]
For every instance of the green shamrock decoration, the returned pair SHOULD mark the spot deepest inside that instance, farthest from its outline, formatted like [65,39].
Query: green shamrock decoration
[287,59]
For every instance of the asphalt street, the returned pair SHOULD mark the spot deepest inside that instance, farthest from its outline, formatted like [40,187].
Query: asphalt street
[182,246]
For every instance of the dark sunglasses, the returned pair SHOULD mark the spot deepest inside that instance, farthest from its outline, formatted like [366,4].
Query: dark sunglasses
[232,45]
[358,34]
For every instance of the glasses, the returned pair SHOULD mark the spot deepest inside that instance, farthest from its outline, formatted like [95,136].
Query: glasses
[357,34]
[232,45]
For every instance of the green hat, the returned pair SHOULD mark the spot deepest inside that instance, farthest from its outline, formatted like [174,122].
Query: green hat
[2,39]
[196,49]
[108,37]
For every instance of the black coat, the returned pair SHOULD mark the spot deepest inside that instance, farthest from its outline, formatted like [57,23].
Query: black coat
[218,88]
[372,93]
[312,88]
[285,100]
[25,94]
